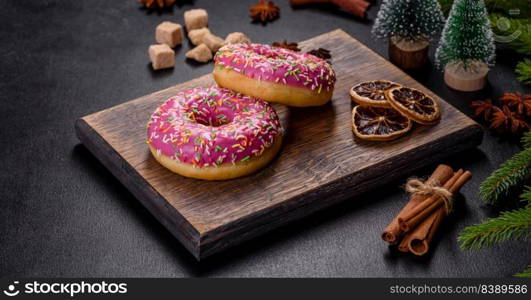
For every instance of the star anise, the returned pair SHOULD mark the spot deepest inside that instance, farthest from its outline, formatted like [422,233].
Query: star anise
[157,3]
[506,120]
[287,45]
[264,11]
[321,53]
[483,108]
[520,103]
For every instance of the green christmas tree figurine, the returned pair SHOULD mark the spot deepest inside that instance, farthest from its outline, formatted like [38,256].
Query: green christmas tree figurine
[409,25]
[466,49]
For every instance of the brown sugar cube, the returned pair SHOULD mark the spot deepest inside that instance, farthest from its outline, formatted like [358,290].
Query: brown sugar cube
[162,56]
[213,42]
[169,33]
[196,35]
[236,38]
[200,53]
[195,19]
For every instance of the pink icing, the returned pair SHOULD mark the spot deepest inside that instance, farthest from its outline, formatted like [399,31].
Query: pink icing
[212,126]
[278,65]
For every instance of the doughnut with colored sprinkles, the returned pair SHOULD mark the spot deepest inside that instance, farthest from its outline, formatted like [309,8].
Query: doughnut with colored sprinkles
[211,130]
[275,74]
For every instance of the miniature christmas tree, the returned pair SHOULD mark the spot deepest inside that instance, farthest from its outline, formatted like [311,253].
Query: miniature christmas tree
[467,36]
[409,19]
[409,25]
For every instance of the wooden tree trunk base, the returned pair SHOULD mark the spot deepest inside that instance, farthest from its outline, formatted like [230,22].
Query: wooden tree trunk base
[408,55]
[471,79]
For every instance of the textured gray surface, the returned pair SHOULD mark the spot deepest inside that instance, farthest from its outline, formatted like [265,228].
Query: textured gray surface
[63,214]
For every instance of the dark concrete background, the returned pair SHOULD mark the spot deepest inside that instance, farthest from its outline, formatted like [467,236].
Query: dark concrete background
[63,214]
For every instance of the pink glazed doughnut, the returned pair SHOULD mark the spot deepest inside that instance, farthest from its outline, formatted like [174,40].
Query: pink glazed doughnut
[214,134]
[274,74]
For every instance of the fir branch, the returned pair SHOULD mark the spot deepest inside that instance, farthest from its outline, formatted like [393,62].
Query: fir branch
[523,7]
[524,274]
[515,34]
[523,69]
[512,32]
[526,196]
[503,6]
[511,173]
[526,140]
[510,225]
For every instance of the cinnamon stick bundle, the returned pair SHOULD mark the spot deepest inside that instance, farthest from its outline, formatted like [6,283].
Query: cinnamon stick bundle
[392,232]
[421,236]
[420,219]
[356,7]
[428,206]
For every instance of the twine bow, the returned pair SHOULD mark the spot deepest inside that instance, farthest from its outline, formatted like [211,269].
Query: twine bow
[417,186]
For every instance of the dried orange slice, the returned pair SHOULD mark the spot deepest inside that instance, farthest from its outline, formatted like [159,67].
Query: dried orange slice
[414,104]
[379,123]
[372,93]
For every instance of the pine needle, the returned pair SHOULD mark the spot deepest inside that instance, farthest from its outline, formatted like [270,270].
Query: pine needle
[506,6]
[524,274]
[523,69]
[502,6]
[511,173]
[515,33]
[510,225]
[512,32]
[526,196]
[526,140]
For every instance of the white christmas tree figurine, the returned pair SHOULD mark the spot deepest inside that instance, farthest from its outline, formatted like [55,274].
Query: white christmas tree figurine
[466,50]
[409,25]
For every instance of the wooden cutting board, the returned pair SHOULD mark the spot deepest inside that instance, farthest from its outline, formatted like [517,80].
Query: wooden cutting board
[321,161]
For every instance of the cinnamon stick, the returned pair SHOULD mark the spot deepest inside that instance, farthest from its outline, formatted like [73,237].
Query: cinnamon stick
[355,7]
[421,236]
[392,232]
[427,207]
[404,243]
